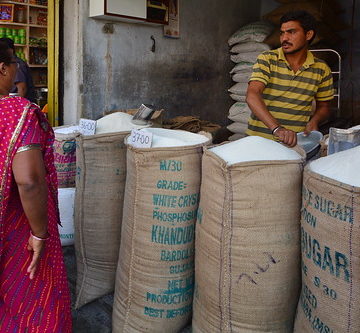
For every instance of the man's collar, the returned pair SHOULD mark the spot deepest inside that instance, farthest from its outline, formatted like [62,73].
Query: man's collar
[281,54]
[308,62]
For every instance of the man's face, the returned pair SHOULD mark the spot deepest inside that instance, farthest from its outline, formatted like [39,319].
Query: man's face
[293,37]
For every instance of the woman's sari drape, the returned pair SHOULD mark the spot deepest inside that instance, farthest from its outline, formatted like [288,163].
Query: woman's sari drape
[42,304]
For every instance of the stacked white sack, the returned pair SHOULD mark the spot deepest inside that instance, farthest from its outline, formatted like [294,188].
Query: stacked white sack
[66,197]
[239,113]
[246,44]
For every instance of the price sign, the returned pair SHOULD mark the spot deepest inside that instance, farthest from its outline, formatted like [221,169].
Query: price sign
[87,126]
[140,139]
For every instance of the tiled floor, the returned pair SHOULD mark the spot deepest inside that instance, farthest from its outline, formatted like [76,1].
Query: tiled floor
[94,317]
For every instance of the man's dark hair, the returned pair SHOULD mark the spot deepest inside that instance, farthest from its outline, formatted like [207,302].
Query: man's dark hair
[5,54]
[9,42]
[306,20]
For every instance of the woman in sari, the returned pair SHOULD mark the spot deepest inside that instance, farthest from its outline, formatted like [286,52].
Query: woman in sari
[34,294]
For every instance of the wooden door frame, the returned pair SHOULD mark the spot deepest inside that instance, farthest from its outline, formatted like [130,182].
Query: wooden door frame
[53,61]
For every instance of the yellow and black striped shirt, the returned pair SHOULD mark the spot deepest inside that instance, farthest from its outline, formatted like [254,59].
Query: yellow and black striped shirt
[288,95]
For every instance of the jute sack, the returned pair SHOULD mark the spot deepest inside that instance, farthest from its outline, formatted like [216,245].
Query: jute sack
[65,156]
[247,262]
[324,145]
[330,225]
[100,183]
[155,274]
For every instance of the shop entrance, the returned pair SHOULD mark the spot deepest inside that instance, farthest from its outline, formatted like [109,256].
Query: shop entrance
[33,27]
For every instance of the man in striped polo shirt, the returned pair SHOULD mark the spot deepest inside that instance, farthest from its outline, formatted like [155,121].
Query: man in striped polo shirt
[285,82]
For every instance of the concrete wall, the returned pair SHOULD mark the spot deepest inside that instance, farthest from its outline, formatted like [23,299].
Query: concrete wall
[350,52]
[186,76]
[72,61]
[268,5]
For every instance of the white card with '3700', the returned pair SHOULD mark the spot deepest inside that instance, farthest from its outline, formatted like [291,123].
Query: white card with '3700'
[140,139]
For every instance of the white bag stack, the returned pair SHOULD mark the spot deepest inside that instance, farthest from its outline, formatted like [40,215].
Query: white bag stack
[246,44]
[66,197]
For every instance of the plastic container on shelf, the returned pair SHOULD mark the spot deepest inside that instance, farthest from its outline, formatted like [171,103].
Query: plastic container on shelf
[22,32]
[20,15]
[42,18]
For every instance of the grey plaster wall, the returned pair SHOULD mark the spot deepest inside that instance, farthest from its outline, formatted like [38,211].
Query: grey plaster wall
[268,5]
[186,76]
[72,60]
[349,49]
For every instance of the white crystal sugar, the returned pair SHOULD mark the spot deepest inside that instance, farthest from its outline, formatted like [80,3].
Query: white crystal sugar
[343,166]
[174,138]
[116,122]
[254,148]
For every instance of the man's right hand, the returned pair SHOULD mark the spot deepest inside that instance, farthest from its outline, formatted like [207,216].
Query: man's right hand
[286,136]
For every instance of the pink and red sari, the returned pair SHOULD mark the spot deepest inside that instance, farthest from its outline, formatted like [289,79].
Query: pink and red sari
[42,304]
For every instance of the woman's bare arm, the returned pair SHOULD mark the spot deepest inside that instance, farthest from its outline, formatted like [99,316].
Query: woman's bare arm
[29,173]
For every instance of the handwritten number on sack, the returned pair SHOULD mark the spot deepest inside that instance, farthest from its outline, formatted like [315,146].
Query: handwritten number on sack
[140,139]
